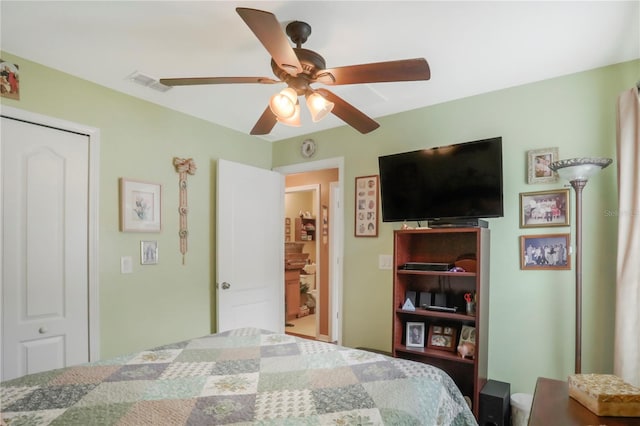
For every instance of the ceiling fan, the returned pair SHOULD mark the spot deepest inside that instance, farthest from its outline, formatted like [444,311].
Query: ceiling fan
[299,68]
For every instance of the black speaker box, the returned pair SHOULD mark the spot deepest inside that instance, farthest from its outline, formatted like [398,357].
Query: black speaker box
[411,295]
[440,299]
[495,405]
[425,298]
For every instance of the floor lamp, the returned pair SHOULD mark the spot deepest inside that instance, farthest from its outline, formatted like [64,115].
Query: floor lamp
[578,171]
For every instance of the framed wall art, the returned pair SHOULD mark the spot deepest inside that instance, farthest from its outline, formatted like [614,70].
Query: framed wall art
[442,337]
[140,206]
[548,251]
[9,80]
[415,334]
[538,161]
[148,252]
[544,208]
[366,208]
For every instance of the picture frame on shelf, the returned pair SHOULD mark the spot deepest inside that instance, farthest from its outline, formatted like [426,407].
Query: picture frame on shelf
[148,252]
[545,208]
[367,200]
[442,337]
[415,334]
[140,206]
[545,252]
[538,161]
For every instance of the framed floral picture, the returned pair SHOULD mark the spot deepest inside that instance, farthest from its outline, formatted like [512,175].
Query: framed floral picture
[538,161]
[140,206]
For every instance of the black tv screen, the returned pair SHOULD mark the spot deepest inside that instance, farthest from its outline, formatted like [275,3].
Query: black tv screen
[460,181]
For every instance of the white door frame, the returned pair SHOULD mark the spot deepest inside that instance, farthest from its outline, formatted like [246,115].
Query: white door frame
[317,210]
[336,246]
[94,194]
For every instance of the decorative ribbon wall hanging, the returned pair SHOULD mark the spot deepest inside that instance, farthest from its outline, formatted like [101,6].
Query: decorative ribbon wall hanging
[184,166]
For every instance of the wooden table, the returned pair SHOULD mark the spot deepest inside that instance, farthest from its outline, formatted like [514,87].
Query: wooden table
[552,406]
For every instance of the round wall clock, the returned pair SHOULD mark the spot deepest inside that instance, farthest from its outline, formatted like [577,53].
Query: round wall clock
[308,148]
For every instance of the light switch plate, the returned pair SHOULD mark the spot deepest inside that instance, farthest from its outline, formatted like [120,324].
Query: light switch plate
[126,265]
[385,261]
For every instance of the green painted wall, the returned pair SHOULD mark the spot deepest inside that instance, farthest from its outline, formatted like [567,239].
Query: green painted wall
[531,328]
[532,312]
[169,301]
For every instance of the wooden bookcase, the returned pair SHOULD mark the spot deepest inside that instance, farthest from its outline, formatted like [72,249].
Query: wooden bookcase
[444,245]
[305,229]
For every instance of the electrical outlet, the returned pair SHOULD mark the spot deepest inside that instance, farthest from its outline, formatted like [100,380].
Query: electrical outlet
[385,261]
[126,265]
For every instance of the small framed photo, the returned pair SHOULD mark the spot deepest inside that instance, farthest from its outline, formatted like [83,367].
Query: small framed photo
[9,80]
[366,208]
[148,252]
[140,206]
[538,161]
[442,337]
[549,251]
[415,334]
[544,208]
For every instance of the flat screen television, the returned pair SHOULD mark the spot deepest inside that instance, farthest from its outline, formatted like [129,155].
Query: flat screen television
[455,182]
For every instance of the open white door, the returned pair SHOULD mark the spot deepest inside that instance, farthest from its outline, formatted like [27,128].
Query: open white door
[249,248]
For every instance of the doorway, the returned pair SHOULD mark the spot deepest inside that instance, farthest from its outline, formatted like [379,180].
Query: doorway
[303,227]
[330,217]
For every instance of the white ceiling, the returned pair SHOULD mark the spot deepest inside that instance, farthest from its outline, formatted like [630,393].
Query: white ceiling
[472,47]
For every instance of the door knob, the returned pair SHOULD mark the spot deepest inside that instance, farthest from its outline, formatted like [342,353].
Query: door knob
[226,285]
[42,330]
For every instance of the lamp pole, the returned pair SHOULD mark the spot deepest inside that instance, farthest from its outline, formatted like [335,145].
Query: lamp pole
[578,185]
[577,171]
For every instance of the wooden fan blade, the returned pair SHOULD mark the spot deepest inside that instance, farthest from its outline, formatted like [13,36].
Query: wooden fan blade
[265,123]
[191,81]
[379,72]
[266,27]
[349,114]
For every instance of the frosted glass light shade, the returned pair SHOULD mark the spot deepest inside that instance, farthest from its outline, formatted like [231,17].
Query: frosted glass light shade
[579,168]
[294,120]
[283,104]
[318,106]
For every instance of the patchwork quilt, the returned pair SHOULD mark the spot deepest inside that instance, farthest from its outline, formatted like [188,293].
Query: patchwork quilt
[240,377]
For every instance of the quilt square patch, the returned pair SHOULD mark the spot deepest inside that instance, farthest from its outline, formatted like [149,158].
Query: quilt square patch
[353,357]
[84,374]
[279,350]
[282,381]
[155,413]
[137,372]
[198,355]
[155,357]
[284,404]
[307,346]
[235,367]
[50,398]
[187,369]
[368,417]
[278,364]
[377,371]
[332,378]
[42,417]
[331,400]
[115,392]
[219,410]
[237,384]
[276,339]
[180,388]
[94,415]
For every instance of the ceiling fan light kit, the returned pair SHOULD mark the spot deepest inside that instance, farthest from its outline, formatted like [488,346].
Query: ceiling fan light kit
[299,68]
[294,120]
[283,104]
[318,106]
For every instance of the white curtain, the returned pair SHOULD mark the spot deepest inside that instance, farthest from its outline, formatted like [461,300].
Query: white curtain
[627,326]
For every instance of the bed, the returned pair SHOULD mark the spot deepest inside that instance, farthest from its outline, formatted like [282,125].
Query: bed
[243,376]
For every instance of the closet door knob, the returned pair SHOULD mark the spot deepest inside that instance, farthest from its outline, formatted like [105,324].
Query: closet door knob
[226,285]
[42,330]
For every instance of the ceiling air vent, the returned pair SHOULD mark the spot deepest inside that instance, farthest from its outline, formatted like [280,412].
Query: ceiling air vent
[147,81]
